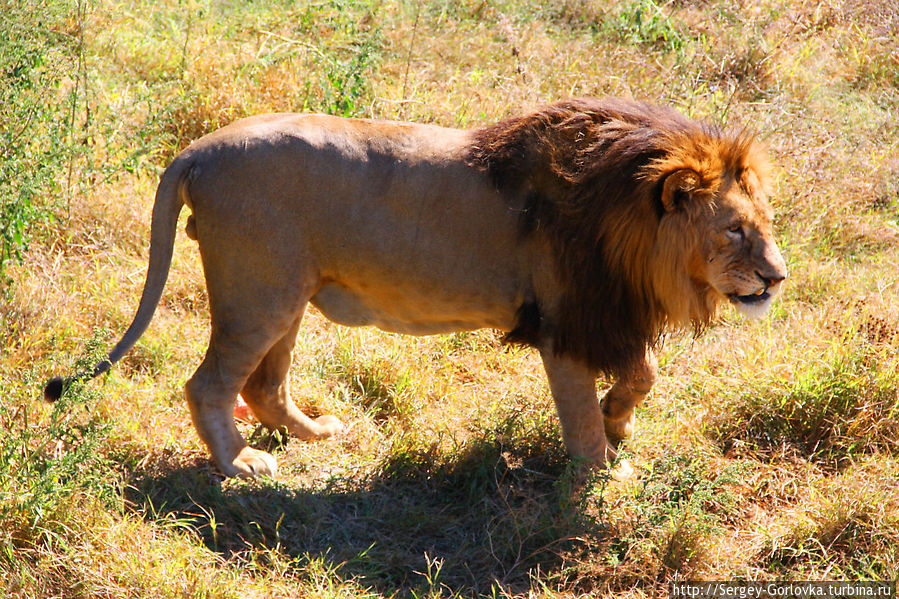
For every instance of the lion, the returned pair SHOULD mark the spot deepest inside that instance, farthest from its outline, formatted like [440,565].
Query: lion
[587,229]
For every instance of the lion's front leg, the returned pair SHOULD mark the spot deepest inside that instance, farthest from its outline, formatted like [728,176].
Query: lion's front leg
[573,387]
[621,401]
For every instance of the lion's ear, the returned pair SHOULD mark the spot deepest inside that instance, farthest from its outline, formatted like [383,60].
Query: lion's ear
[677,188]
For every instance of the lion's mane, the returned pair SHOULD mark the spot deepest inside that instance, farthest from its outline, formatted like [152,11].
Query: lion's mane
[589,174]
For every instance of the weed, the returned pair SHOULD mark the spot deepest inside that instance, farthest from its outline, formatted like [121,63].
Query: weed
[675,513]
[345,79]
[346,62]
[48,464]
[645,22]
[36,117]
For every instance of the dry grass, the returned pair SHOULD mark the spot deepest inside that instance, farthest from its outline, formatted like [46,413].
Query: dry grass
[767,450]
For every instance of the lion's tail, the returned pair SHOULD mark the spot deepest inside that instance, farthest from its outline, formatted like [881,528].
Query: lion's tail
[171,195]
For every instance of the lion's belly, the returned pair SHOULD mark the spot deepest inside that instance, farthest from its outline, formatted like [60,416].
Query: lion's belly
[412,313]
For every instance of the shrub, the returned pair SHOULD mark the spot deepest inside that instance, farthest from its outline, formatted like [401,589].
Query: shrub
[48,462]
[36,115]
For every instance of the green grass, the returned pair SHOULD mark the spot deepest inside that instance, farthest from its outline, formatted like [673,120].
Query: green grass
[767,450]
[832,411]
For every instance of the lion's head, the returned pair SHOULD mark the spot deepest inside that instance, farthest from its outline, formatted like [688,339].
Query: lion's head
[654,220]
[712,186]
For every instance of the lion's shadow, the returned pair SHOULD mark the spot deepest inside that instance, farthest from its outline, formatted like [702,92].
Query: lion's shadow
[485,519]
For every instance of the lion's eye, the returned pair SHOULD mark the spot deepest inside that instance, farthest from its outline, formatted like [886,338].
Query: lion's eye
[736,231]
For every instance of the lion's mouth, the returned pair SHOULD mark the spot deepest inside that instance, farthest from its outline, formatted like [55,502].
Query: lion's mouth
[755,298]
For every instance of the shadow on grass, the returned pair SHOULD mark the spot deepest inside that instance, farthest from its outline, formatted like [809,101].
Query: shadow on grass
[484,518]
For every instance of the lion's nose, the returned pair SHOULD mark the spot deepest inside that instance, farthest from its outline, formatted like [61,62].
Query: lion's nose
[772,278]
[771,268]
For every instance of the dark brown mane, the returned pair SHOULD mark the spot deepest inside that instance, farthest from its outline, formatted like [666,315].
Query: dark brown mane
[589,174]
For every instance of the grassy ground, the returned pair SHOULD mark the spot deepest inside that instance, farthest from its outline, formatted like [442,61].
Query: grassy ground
[768,450]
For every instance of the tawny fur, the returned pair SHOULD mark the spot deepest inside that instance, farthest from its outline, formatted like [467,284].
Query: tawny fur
[586,229]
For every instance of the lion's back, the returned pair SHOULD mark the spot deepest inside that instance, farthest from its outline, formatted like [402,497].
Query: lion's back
[390,217]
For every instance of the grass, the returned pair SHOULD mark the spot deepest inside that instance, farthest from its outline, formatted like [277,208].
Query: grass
[768,449]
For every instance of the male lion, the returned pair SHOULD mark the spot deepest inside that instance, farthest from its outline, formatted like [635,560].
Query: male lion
[586,229]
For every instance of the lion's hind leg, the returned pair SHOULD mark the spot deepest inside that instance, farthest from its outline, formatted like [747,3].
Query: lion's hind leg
[267,394]
[211,395]
[620,402]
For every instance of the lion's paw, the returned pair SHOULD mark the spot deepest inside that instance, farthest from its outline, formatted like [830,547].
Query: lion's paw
[252,462]
[622,471]
[328,425]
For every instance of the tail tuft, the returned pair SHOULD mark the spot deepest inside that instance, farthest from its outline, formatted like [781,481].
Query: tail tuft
[53,390]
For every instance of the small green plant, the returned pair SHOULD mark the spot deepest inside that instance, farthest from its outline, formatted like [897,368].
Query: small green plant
[344,54]
[675,512]
[36,117]
[46,460]
[643,22]
[345,80]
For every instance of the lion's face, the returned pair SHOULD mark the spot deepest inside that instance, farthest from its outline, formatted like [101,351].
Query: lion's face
[740,259]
